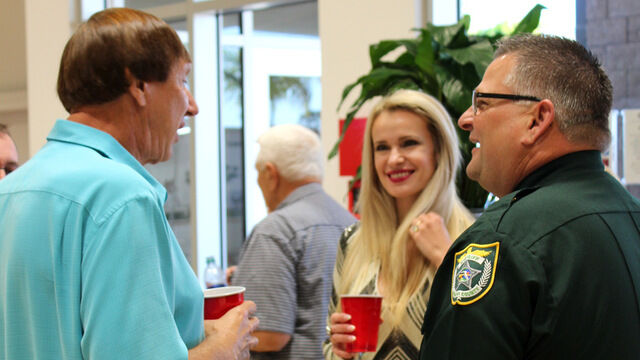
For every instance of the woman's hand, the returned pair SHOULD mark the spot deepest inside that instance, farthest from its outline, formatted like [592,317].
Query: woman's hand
[340,334]
[430,235]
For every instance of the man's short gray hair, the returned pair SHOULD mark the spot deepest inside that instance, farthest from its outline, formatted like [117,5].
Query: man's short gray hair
[295,150]
[563,71]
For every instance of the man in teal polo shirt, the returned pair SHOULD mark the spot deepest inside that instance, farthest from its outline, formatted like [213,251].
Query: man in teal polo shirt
[551,270]
[90,266]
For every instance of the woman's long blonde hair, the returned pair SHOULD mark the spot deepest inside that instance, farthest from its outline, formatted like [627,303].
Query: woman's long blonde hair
[381,242]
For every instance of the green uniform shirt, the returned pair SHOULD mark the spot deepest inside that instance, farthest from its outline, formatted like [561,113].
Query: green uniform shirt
[551,271]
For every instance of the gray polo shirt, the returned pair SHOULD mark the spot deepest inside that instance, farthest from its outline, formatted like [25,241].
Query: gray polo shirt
[286,265]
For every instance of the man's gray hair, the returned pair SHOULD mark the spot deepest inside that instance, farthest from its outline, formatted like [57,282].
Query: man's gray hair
[295,150]
[563,71]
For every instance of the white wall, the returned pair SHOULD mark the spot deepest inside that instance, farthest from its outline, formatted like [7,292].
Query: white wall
[347,28]
[47,31]
[13,71]
[32,35]
[13,74]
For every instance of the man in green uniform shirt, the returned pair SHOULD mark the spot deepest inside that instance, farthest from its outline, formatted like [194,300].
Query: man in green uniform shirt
[551,270]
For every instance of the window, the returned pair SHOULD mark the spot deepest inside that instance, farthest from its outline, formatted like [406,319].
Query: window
[559,17]
[271,75]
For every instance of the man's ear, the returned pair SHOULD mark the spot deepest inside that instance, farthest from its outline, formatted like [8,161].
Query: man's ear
[137,88]
[541,122]
[272,175]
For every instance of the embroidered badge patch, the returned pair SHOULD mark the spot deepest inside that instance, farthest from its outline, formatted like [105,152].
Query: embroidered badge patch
[473,272]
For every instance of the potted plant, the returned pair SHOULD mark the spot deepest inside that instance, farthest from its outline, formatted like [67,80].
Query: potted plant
[443,61]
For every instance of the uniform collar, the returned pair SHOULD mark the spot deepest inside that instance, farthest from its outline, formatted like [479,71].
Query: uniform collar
[590,160]
[106,145]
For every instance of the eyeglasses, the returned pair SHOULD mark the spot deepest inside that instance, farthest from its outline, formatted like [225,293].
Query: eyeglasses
[476,95]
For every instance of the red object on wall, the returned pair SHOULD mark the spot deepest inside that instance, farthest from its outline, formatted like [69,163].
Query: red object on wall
[350,150]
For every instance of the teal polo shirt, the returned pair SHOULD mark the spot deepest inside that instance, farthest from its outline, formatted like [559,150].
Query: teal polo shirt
[90,268]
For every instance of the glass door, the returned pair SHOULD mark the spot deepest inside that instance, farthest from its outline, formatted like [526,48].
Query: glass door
[285,89]
[271,75]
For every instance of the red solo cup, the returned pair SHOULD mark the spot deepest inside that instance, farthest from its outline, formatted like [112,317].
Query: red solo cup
[365,316]
[218,301]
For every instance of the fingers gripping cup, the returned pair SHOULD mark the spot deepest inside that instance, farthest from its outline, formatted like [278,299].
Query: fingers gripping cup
[365,316]
[217,301]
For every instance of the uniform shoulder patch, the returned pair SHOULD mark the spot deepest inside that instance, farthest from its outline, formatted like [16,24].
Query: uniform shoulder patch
[474,269]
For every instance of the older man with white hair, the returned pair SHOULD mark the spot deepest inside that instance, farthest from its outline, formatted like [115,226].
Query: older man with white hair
[287,262]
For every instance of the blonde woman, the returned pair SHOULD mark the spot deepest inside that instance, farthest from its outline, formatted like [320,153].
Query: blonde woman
[409,213]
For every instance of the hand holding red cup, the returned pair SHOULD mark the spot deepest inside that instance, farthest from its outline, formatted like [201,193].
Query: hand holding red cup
[365,316]
[217,301]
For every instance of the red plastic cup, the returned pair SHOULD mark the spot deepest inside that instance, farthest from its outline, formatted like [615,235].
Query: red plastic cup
[365,316]
[218,301]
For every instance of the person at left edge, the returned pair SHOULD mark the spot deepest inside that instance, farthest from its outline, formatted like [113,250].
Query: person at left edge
[8,153]
[90,266]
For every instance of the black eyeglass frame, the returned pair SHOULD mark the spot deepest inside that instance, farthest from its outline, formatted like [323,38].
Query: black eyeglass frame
[475,95]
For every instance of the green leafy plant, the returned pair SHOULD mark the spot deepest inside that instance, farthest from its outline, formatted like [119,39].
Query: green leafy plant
[443,61]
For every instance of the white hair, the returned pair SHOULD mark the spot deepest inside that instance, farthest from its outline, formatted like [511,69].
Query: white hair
[295,151]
